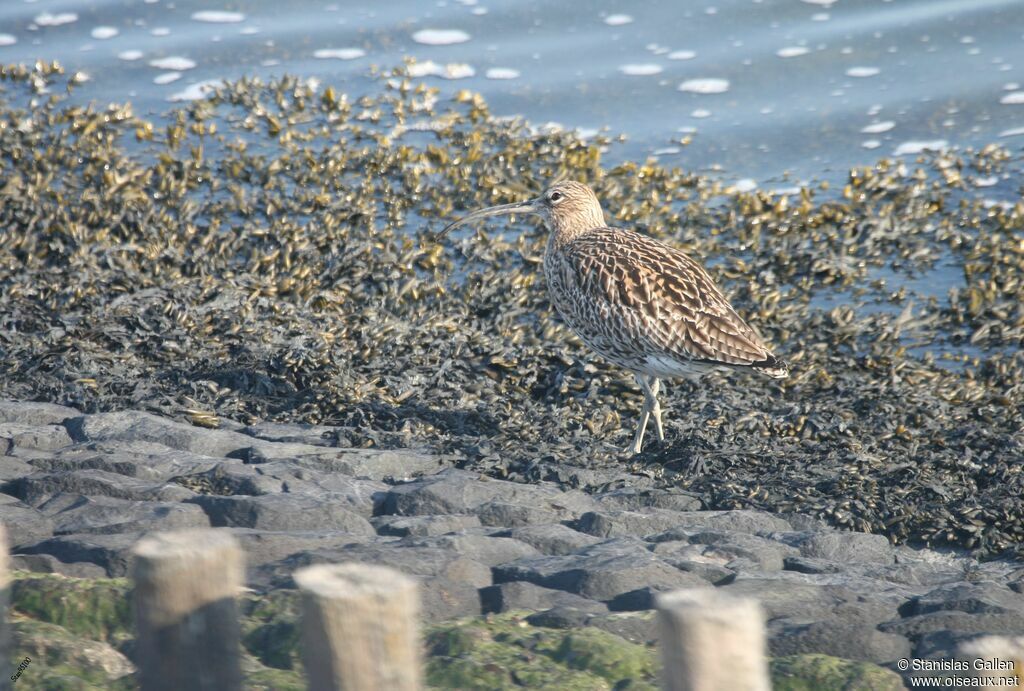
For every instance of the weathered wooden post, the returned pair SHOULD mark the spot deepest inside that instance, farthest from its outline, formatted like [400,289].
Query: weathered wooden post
[995,661]
[360,628]
[711,641]
[186,617]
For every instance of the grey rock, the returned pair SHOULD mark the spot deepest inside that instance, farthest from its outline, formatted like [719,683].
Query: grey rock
[314,435]
[796,597]
[405,526]
[553,538]
[617,523]
[635,627]
[47,563]
[560,617]
[633,499]
[265,547]
[110,552]
[283,512]
[15,436]
[841,546]
[999,623]
[810,565]
[600,572]
[733,550]
[13,468]
[458,491]
[36,489]
[504,515]
[32,413]
[852,641]
[230,478]
[24,524]
[942,644]
[485,549]
[138,459]
[78,514]
[738,520]
[519,595]
[974,598]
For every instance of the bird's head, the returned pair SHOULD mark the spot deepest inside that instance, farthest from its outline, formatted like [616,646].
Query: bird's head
[565,207]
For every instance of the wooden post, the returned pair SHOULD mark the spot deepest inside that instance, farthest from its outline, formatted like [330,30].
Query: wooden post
[186,617]
[360,628]
[995,657]
[711,641]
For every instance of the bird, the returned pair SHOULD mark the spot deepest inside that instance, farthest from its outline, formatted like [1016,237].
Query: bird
[637,302]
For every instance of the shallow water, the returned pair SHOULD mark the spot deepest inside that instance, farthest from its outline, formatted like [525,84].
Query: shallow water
[753,88]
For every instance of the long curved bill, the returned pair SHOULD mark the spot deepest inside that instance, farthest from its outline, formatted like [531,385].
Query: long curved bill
[527,207]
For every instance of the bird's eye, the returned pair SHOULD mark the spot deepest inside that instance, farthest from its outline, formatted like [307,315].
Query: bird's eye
[555,196]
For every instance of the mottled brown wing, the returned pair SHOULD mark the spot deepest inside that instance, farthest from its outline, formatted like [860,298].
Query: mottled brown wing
[681,312]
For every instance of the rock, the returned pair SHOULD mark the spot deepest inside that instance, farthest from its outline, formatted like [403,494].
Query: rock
[230,478]
[111,552]
[841,546]
[24,524]
[733,550]
[520,595]
[974,598]
[634,626]
[68,657]
[405,526]
[552,538]
[997,623]
[796,597]
[632,499]
[284,512]
[485,549]
[738,520]
[810,565]
[600,572]
[38,488]
[16,436]
[942,644]
[850,640]
[47,563]
[504,515]
[617,523]
[138,459]
[36,414]
[377,464]
[77,514]
[13,468]
[458,491]
[265,547]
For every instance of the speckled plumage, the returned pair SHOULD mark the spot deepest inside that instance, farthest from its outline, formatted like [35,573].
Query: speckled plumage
[638,302]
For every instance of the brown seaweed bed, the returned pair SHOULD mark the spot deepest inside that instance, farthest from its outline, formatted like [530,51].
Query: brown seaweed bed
[265,253]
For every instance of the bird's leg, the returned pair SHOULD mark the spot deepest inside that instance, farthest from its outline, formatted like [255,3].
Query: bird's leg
[655,387]
[645,414]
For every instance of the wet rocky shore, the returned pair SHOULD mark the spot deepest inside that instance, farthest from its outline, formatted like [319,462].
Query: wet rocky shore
[237,316]
[79,490]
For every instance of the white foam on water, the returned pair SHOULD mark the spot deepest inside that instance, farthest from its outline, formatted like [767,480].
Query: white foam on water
[1014,98]
[440,37]
[102,33]
[701,113]
[339,53]
[687,129]
[745,185]
[194,92]
[130,55]
[502,73]
[792,51]
[174,62]
[1012,132]
[871,144]
[48,19]
[218,17]
[161,31]
[707,85]
[618,19]
[682,55]
[820,17]
[862,72]
[878,127]
[167,77]
[986,182]
[7,40]
[249,30]
[640,70]
[453,70]
[967,39]
[586,132]
[875,110]
[667,151]
[916,147]
[1011,86]
[823,3]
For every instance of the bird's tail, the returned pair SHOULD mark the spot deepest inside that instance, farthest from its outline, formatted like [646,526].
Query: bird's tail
[772,367]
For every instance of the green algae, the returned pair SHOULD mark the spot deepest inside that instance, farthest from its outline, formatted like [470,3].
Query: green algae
[826,673]
[97,609]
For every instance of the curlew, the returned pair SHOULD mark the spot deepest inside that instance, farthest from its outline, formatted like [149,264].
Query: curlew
[639,303]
